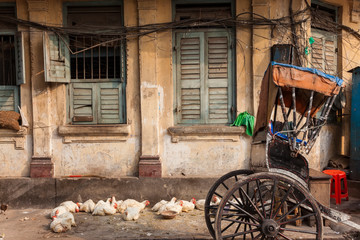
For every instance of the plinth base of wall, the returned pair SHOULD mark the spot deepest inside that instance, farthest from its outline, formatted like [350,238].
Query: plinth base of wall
[41,167]
[150,166]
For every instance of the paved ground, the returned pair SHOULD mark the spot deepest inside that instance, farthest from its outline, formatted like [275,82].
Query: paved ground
[31,224]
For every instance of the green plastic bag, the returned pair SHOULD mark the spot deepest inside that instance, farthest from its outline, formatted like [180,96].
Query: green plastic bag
[247,120]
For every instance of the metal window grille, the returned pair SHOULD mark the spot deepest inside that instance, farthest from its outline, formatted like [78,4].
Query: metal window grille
[7,60]
[104,62]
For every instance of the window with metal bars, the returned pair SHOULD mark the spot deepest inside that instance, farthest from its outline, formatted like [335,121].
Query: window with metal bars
[12,70]
[97,66]
[103,62]
[7,60]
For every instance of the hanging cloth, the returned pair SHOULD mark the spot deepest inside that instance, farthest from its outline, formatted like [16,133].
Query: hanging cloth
[247,120]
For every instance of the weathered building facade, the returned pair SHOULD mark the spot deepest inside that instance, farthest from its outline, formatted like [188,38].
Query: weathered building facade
[160,101]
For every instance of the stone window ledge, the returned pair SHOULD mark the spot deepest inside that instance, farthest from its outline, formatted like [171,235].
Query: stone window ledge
[16,137]
[205,132]
[94,133]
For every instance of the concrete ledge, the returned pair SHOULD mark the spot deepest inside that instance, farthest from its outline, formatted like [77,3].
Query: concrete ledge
[205,132]
[48,193]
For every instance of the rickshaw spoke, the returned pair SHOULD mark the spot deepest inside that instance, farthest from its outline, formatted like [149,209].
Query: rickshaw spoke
[262,203]
[292,209]
[225,185]
[273,197]
[299,218]
[242,210]
[240,233]
[282,201]
[242,221]
[298,230]
[230,224]
[257,236]
[254,206]
[284,236]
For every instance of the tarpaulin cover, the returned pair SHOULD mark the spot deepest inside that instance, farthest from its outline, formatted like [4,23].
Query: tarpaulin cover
[303,79]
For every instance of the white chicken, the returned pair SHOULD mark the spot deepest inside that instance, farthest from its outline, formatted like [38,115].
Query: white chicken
[88,206]
[215,200]
[132,203]
[188,205]
[61,224]
[157,206]
[105,208]
[200,204]
[58,211]
[73,207]
[67,215]
[170,206]
[100,202]
[131,213]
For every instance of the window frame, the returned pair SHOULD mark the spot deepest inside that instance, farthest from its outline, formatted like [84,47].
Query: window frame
[122,82]
[19,59]
[317,32]
[232,64]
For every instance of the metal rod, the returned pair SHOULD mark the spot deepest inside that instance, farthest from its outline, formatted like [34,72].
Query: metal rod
[308,116]
[284,114]
[91,58]
[99,62]
[10,72]
[294,117]
[76,60]
[84,69]
[276,107]
[3,59]
[107,61]
[323,120]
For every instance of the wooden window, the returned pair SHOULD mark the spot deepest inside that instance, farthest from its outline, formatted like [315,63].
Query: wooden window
[324,48]
[203,77]
[324,51]
[96,69]
[12,70]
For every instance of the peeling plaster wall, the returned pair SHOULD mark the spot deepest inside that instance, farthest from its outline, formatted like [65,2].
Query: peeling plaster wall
[102,159]
[13,162]
[205,158]
[209,158]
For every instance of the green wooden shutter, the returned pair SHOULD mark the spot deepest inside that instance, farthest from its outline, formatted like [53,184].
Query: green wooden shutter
[9,98]
[218,77]
[20,59]
[324,55]
[190,77]
[82,97]
[110,104]
[56,59]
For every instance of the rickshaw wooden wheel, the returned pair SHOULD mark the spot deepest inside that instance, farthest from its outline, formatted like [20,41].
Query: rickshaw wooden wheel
[219,188]
[263,206]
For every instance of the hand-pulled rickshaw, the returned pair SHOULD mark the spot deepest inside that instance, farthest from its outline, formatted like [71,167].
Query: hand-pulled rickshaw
[265,202]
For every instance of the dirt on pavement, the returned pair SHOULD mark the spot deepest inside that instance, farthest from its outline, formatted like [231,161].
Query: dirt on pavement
[34,224]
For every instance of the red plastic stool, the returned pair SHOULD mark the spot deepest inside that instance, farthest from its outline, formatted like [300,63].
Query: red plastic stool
[337,191]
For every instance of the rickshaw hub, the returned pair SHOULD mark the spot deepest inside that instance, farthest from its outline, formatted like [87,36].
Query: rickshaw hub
[269,227]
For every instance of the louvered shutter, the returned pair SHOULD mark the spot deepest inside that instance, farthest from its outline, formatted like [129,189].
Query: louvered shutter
[324,55]
[83,102]
[9,98]
[20,59]
[110,104]
[218,77]
[56,59]
[190,76]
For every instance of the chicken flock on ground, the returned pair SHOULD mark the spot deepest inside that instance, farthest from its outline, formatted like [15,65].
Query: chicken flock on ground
[129,210]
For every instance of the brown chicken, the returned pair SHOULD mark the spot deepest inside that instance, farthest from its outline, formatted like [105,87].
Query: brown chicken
[3,208]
